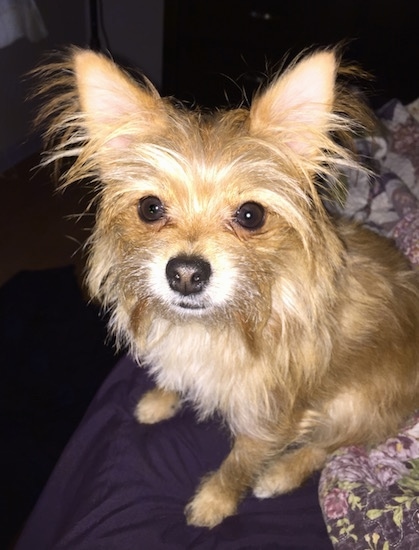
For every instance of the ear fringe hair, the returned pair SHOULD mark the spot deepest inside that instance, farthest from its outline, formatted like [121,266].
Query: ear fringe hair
[59,117]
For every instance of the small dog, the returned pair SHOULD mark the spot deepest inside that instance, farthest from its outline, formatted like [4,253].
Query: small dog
[226,276]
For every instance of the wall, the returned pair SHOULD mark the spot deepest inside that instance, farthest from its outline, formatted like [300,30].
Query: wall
[134,34]
[65,23]
[131,29]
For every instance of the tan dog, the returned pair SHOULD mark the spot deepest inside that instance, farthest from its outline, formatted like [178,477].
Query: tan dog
[224,273]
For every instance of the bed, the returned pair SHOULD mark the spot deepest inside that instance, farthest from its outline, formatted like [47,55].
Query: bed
[121,485]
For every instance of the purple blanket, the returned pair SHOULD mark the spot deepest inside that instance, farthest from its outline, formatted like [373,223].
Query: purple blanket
[120,485]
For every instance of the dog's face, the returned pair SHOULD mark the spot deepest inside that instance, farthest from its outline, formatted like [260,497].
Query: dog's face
[203,217]
[197,231]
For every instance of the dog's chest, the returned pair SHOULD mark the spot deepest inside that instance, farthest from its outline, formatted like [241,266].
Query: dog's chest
[208,368]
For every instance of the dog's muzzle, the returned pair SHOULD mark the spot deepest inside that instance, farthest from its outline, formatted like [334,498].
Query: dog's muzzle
[188,275]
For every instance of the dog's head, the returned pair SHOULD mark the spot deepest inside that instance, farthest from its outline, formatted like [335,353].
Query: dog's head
[210,218]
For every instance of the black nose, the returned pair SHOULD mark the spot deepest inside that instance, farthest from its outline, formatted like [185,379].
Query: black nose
[188,274]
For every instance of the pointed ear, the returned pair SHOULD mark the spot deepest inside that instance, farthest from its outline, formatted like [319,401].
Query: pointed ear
[112,102]
[296,108]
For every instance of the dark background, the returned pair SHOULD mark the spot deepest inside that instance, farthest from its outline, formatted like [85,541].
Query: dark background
[212,46]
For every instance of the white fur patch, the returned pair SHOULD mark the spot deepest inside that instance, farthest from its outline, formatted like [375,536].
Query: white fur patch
[218,292]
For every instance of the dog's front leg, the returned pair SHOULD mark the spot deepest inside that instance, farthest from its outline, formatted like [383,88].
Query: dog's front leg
[220,492]
[157,405]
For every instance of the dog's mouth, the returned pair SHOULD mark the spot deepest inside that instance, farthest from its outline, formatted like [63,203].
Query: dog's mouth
[189,305]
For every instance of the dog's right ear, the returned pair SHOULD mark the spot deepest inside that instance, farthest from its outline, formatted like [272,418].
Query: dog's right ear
[113,105]
[296,109]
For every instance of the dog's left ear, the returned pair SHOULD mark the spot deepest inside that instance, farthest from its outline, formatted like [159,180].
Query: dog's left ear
[112,103]
[296,108]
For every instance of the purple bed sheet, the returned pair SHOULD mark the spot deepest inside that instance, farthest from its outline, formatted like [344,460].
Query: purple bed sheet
[120,485]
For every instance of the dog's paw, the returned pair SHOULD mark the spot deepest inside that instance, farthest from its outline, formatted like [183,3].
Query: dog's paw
[157,405]
[289,472]
[273,482]
[210,505]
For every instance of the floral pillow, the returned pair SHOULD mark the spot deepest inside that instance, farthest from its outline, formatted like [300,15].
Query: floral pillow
[370,498]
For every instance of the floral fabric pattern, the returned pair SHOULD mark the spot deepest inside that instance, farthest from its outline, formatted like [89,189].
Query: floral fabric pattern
[370,498]
[389,202]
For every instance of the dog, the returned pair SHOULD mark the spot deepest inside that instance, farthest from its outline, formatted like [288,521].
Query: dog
[224,273]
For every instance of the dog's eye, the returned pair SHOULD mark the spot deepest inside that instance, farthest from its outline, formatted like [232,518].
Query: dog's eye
[250,215]
[150,209]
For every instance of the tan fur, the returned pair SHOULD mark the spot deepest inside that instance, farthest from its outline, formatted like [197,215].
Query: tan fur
[157,405]
[306,335]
